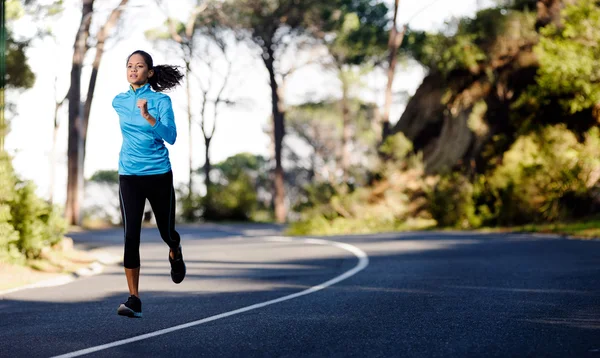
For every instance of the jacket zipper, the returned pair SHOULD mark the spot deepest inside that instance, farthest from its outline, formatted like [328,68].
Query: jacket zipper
[133,108]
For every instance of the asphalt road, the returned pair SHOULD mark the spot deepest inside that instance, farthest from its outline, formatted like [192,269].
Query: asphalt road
[250,294]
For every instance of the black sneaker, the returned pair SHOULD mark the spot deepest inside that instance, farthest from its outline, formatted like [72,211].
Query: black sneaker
[132,308]
[177,266]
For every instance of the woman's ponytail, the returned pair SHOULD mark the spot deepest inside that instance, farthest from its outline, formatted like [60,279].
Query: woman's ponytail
[165,78]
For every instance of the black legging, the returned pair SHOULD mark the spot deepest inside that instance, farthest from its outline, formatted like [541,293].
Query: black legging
[133,192]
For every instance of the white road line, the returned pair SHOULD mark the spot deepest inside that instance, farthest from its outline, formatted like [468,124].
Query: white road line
[363,261]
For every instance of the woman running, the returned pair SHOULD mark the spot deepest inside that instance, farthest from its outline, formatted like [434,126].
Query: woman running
[147,121]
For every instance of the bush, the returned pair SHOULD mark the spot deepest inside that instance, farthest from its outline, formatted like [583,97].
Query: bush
[38,223]
[235,200]
[396,200]
[547,176]
[27,223]
[451,202]
[9,237]
[191,206]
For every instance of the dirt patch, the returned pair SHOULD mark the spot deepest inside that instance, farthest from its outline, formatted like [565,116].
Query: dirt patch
[57,261]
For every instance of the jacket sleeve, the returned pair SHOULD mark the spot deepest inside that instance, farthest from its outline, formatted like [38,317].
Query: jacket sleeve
[165,123]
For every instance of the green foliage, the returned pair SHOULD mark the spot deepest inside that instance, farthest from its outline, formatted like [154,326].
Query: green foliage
[236,165]
[356,31]
[395,201]
[319,124]
[547,176]
[18,73]
[39,225]
[27,223]
[316,194]
[474,42]
[14,10]
[159,34]
[235,200]
[106,176]
[260,20]
[9,237]
[451,202]
[191,206]
[568,56]
[234,195]
[396,147]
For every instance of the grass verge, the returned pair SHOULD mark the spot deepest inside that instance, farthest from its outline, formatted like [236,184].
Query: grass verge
[56,261]
[585,228]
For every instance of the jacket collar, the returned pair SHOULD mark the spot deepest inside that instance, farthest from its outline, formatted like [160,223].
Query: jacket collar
[140,90]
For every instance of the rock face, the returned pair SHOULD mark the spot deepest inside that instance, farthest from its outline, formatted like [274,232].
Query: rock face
[453,119]
[465,119]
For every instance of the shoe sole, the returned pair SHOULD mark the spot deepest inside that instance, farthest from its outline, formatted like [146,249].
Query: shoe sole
[128,312]
[177,277]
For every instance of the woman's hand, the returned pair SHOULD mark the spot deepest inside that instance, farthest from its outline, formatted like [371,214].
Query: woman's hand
[142,104]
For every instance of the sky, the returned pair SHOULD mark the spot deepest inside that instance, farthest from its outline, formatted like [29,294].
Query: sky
[239,129]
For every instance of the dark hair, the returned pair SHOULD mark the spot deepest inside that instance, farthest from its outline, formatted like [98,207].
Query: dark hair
[165,77]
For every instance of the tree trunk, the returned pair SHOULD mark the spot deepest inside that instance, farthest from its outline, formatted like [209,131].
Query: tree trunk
[346,127]
[102,36]
[75,142]
[394,43]
[207,165]
[3,71]
[53,153]
[189,110]
[278,133]
[52,166]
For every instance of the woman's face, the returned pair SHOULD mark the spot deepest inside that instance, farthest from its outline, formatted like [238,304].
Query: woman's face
[137,71]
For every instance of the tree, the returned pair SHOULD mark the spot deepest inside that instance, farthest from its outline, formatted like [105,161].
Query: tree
[240,179]
[106,176]
[203,46]
[568,55]
[394,43]
[79,112]
[184,36]
[271,25]
[2,73]
[16,73]
[57,106]
[354,37]
[396,38]
[213,94]
[75,141]
[319,126]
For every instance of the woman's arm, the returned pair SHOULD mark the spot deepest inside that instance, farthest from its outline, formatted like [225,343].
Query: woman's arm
[165,125]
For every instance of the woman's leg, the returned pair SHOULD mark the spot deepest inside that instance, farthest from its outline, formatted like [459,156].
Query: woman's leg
[162,200]
[132,199]
[133,281]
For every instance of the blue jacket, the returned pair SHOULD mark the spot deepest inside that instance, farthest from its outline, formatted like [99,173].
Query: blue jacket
[143,151]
